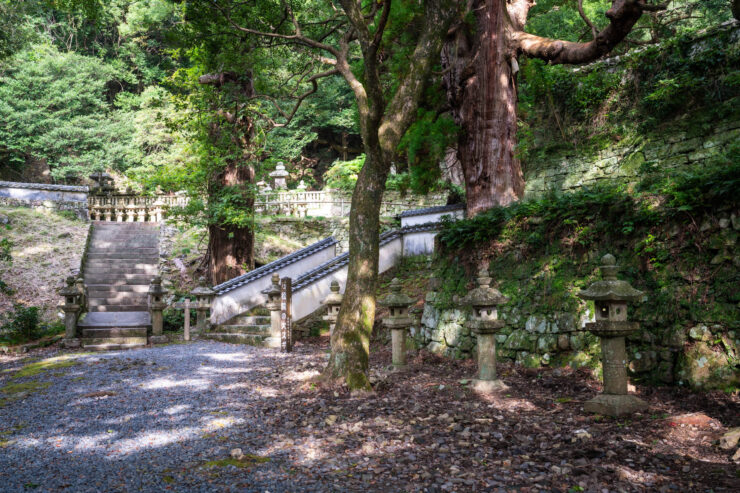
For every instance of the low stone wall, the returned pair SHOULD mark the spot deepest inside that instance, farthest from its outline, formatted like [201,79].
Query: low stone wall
[45,197]
[682,356]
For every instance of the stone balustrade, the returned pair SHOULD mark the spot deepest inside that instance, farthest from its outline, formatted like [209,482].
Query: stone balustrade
[132,208]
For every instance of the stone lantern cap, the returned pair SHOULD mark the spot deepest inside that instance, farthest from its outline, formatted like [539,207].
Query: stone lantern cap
[155,288]
[334,298]
[484,295]
[280,171]
[610,288]
[202,289]
[396,299]
[70,289]
[274,289]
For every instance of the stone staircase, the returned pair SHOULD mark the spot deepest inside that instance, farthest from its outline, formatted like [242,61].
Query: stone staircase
[252,329]
[121,261]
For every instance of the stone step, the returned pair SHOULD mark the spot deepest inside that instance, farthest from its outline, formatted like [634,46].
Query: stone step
[100,290]
[127,255]
[118,308]
[106,332]
[116,320]
[125,248]
[250,320]
[117,272]
[114,340]
[243,329]
[111,347]
[118,280]
[121,299]
[120,264]
[248,339]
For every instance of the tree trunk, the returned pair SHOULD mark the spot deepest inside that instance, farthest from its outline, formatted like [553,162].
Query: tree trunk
[481,88]
[350,342]
[231,248]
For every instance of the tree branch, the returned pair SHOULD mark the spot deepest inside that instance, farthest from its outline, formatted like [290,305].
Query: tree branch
[586,19]
[622,16]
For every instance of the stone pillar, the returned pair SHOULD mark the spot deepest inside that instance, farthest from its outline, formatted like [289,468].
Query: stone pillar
[156,306]
[333,303]
[610,297]
[398,322]
[71,308]
[485,324]
[203,296]
[273,304]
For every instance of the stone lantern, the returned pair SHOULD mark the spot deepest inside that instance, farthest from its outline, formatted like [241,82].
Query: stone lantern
[273,304]
[71,308]
[333,303]
[156,306]
[398,321]
[485,324]
[279,176]
[610,297]
[203,296]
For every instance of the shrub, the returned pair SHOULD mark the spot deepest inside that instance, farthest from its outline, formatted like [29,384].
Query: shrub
[21,324]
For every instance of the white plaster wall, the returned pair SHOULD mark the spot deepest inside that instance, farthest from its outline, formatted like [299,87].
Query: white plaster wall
[418,243]
[250,295]
[430,218]
[308,300]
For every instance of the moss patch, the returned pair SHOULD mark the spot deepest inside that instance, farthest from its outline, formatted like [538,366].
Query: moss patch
[33,369]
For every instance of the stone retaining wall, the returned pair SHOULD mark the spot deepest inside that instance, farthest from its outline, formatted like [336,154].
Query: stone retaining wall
[45,197]
[682,356]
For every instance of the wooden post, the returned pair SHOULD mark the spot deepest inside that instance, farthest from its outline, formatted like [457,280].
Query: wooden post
[186,336]
[286,294]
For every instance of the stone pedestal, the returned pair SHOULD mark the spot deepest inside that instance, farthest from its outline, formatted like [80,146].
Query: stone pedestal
[610,298]
[485,324]
[398,322]
[273,304]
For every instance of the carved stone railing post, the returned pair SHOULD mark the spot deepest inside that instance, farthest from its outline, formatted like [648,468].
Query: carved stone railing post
[398,321]
[156,307]
[273,304]
[610,297]
[71,308]
[485,324]
[203,296]
[333,303]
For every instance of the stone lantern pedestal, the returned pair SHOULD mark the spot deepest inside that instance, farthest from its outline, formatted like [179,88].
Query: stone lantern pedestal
[398,321]
[485,324]
[156,307]
[610,297]
[333,303]
[273,304]
[279,176]
[203,296]
[71,307]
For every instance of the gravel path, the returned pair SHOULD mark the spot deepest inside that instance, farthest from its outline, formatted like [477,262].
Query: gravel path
[148,420]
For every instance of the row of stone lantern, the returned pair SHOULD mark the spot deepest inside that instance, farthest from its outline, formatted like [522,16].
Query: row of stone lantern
[157,304]
[610,296]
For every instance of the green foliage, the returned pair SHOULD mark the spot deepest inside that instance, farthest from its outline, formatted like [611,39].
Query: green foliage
[343,174]
[20,325]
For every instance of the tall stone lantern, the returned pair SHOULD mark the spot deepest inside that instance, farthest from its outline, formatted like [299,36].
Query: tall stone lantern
[156,307]
[279,176]
[485,324]
[71,308]
[333,303]
[610,297]
[398,321]
[273,304]
[203,296]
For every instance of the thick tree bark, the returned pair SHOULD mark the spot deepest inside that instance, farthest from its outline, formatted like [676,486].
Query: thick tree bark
[231,248]
[482,93]
[480,79]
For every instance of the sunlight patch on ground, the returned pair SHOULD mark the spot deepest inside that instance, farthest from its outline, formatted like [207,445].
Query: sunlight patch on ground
[235,357]
[301,376]
[266,391]
[166,383]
